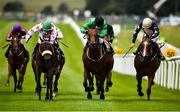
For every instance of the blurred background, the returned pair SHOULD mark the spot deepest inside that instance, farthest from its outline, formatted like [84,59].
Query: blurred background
[126,13]
[69,15]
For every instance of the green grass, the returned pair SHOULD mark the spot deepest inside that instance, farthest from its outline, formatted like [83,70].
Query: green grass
[171,34]
[122,95]
[38,5]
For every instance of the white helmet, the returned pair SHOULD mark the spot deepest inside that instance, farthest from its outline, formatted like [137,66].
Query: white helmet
[147,22]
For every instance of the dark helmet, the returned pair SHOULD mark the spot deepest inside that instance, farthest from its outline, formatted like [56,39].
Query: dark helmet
[99,21]
[16,27]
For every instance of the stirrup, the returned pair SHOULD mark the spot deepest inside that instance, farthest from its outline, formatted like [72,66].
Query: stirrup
[162,58]
[108,50]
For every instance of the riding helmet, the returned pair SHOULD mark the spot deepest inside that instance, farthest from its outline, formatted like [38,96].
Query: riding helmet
[99,21]
[147,23]
[47,26]
[16,27]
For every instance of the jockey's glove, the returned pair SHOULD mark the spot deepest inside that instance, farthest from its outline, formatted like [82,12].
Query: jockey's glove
[27,38]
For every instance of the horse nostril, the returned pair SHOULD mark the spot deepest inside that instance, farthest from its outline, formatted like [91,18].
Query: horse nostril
[47,56]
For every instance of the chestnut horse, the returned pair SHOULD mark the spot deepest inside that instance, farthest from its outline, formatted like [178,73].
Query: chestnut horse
[17,60]
[96,61]
[146,64]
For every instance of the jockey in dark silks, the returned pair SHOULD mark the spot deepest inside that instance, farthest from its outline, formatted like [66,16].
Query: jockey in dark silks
[150,29]
[16,29]
[47,29]
[104,30]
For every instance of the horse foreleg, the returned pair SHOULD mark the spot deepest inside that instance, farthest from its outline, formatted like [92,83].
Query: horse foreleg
[45,81]
[21,76]
[57,75]
[15,78]
[38,82]
[91,82]
[9,75]
[48,86]
[150,83]
[101,88]
[85,84]
[139,88]
[108,81]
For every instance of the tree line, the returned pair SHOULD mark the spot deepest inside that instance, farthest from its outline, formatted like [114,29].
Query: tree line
[138,7]
[17,6]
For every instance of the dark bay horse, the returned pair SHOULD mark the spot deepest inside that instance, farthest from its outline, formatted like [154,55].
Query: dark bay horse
[146,64]
[46,61]
[17,60]
[96,61]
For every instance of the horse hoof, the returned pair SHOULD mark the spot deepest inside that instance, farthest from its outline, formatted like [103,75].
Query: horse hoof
[18,87]
[107,89]
[20,91]
[36,94]
[141,94]
[91,88]
[54,94]
[86,89]
[44,85]
[98,92]
[152,83]
[110,84]
[47,98]
[7,84]
[89,96]
[102,97]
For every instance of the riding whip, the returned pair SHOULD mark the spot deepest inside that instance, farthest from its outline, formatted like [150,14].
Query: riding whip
[6,46]
[126,53]
[64,44]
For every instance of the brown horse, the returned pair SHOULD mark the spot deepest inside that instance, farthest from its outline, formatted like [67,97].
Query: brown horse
[46,61]
[96,61]
[146,64]
[17,60]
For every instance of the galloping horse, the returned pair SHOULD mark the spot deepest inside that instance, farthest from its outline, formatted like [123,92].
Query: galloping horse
[96,61]
[146,64]
[17,61]
[46,61]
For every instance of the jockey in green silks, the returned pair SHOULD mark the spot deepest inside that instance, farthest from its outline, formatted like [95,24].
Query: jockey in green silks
[105,31]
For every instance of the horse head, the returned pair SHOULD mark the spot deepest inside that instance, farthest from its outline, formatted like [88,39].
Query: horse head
[146,49]
[46,50]
[93,40]
[15,42]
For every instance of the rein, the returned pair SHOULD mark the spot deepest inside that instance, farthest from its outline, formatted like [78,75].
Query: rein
[93,60]
[43,43]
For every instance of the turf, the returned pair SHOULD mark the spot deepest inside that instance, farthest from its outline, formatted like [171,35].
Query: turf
[122,95]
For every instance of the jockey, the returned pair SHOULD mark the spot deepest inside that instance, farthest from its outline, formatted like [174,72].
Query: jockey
[104,30]
[150,29]
[22,32]
[47,28]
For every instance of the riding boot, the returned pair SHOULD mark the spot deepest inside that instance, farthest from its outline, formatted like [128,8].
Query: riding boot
[160,55]
[26,54]
[6,54]
[108,48]
[137,51]
[34,52]
[58,51]
[86,46]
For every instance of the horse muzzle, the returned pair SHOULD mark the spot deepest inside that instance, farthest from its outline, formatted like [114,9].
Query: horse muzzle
[47,54]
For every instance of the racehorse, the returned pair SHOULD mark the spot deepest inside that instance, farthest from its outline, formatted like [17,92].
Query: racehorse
[96,61]
[46,61]
[146,64]
[17,60]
